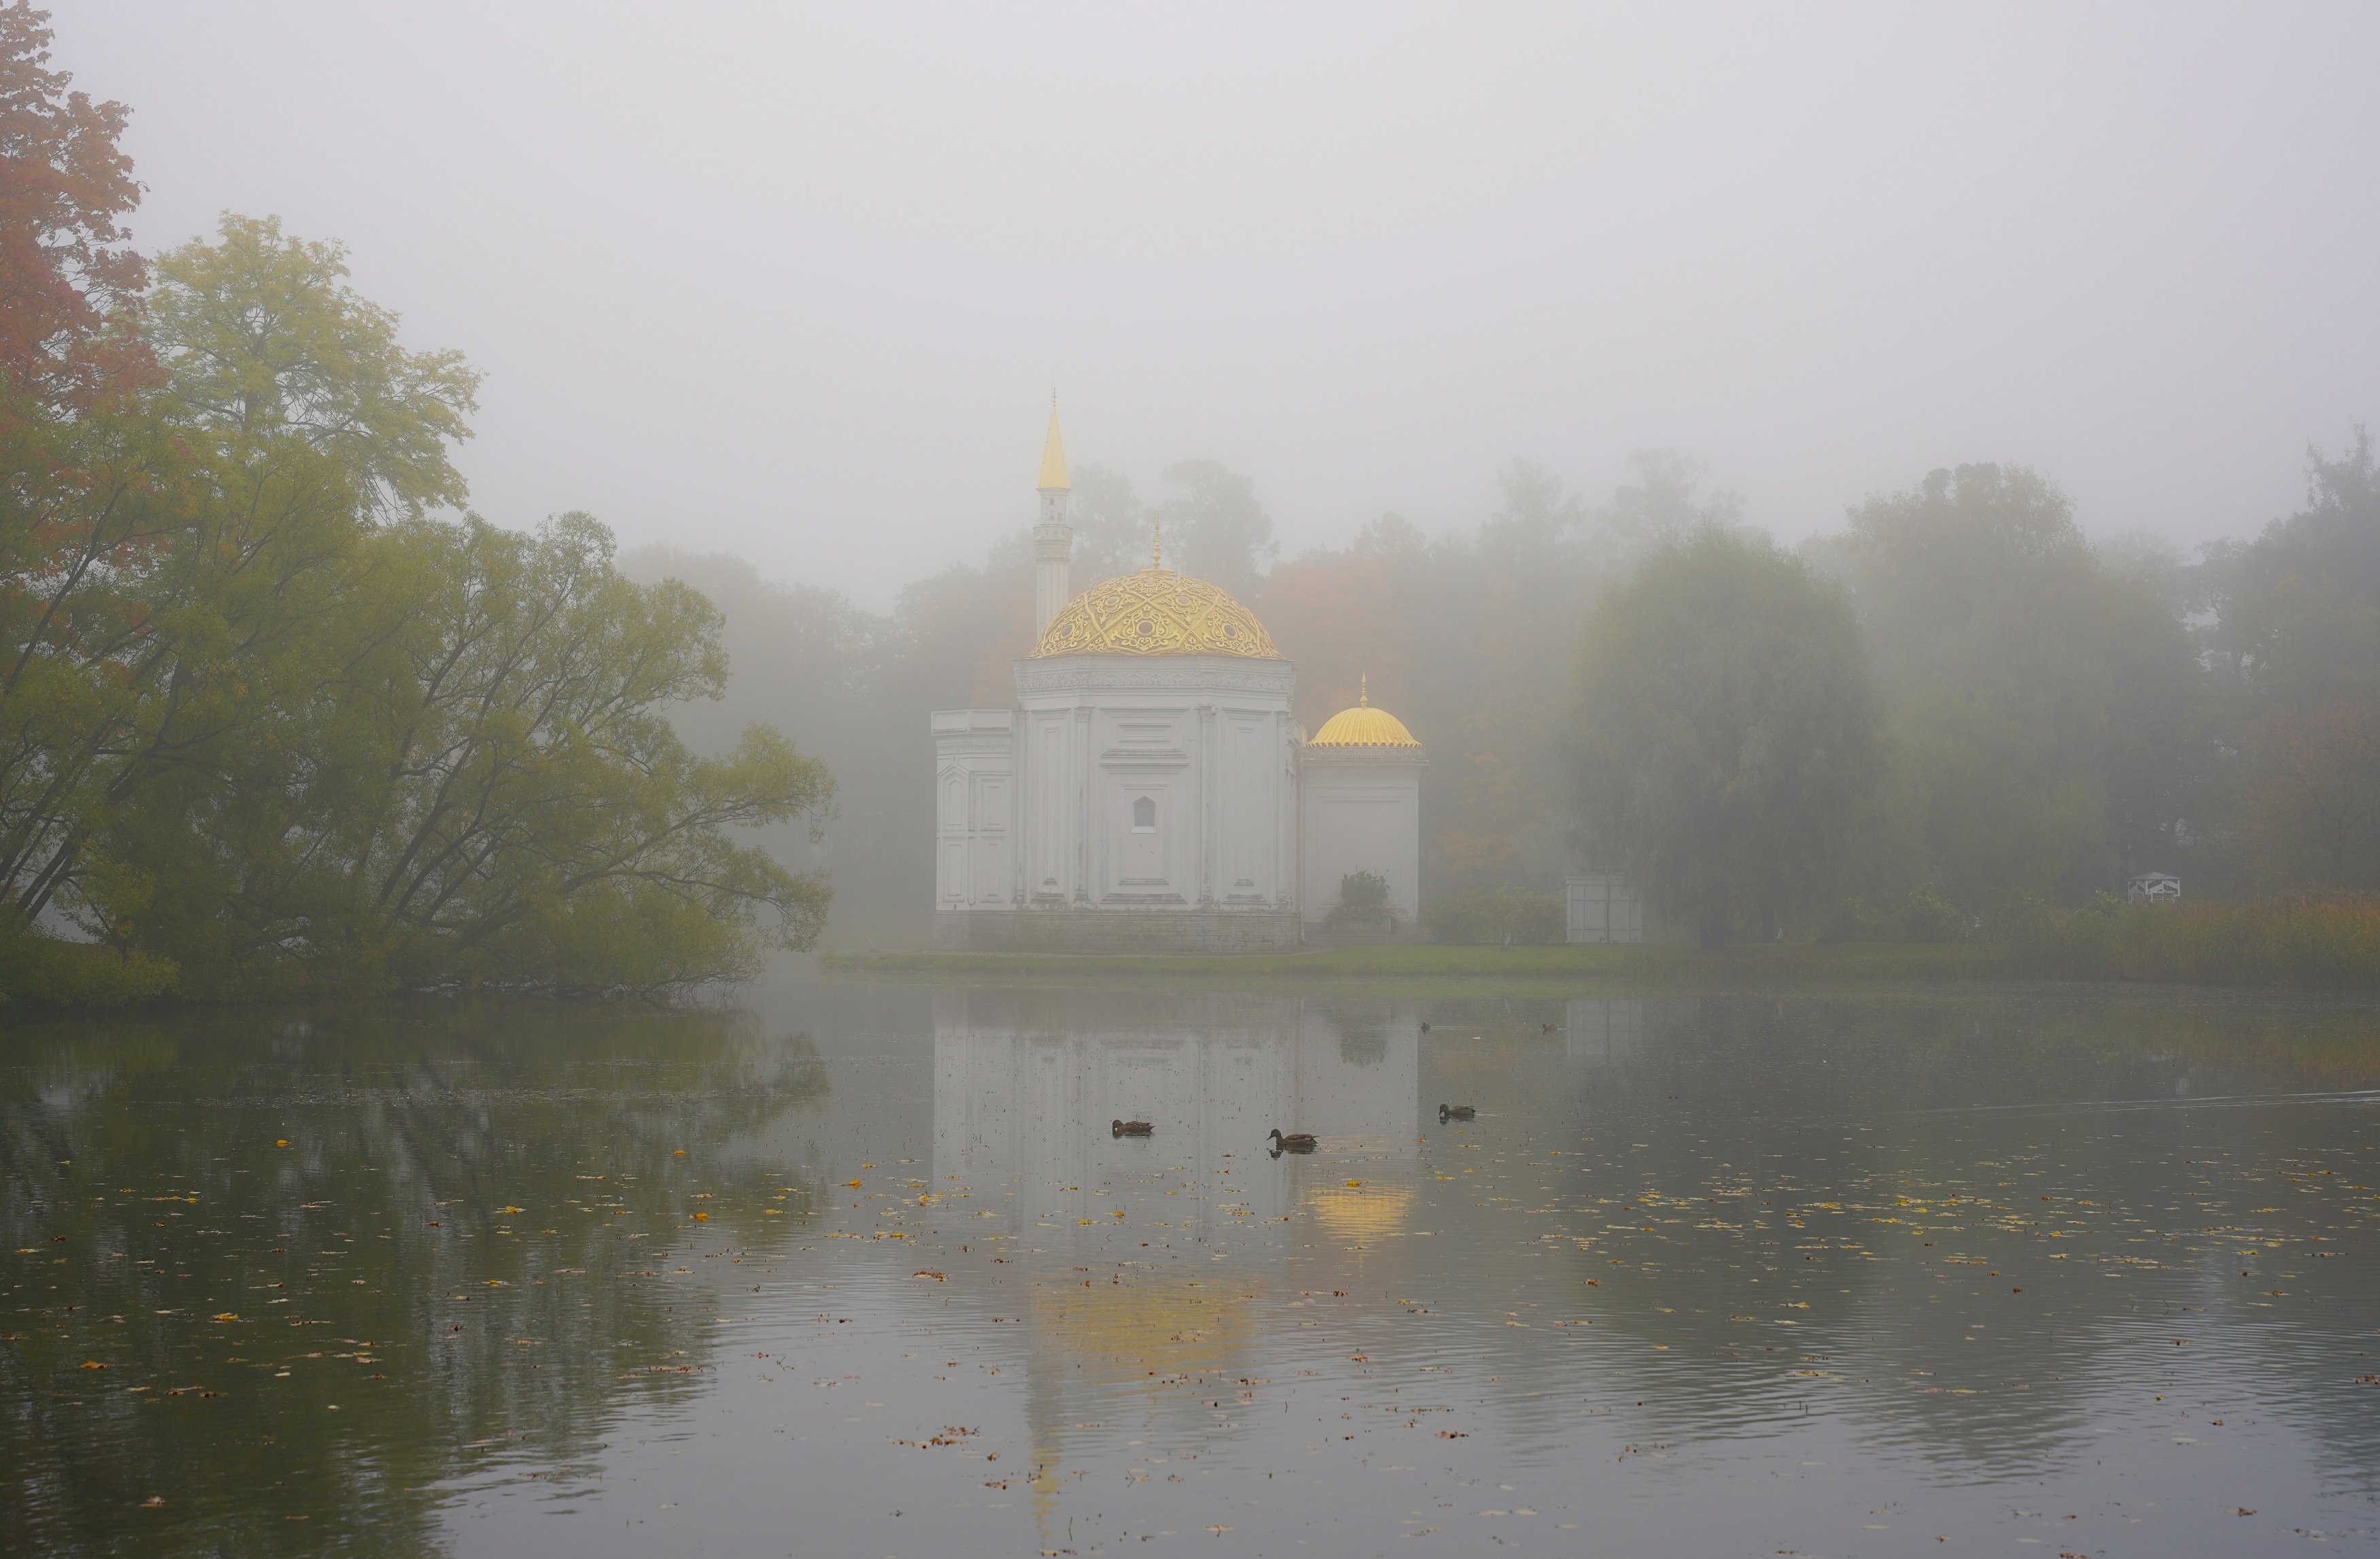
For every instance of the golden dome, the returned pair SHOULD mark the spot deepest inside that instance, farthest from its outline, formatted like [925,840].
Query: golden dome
[1364,726]
[1155,612]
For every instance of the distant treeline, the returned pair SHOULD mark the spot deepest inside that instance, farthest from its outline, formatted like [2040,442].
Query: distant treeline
[1954,711]
[267,722]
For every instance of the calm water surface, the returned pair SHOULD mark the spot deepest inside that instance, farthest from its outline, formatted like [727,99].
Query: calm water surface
[861,1271]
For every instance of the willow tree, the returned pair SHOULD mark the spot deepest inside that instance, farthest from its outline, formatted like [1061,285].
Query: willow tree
[1726,733]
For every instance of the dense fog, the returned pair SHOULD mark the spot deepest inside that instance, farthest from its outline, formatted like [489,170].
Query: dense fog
[1865,476]
[795,283]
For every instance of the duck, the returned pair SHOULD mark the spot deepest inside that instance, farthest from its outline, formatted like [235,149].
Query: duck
[1547,1028]
[1456,1112]
[1291,1142]
[1425,1028]
[1131,1128]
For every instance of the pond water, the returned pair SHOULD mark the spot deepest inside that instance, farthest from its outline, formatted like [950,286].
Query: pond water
[863,1270]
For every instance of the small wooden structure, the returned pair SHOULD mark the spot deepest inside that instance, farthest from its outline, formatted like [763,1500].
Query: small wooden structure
[2155,887]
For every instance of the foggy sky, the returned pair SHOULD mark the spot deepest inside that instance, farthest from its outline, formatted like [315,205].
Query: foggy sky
[797,282]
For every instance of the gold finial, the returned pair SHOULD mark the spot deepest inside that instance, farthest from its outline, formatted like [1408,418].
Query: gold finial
[1156,543]
[1053,455]
[1363,690]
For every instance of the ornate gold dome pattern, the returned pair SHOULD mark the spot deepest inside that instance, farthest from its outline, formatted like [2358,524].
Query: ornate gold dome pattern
[1364,726]
[1156,611]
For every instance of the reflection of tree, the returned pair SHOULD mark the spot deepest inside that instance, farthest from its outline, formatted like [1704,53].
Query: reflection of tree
[451,1248]
[1901,1168]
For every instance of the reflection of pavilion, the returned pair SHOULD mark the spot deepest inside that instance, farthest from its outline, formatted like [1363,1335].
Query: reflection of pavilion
[1026,1083]
[1603,1029]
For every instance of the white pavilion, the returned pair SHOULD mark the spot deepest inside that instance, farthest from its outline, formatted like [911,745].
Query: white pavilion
[1150,789]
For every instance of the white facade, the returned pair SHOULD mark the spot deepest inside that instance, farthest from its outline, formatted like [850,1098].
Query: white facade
[1361,809]
[1120,783]
[975,809]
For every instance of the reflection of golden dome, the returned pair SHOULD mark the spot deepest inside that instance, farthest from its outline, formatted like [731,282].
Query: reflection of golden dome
[1110,1321]
[1362,1211]
[1156,611]
[1364,726]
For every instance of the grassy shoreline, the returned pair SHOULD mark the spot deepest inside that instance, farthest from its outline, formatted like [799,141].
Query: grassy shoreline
[1761,965]
[2303,942]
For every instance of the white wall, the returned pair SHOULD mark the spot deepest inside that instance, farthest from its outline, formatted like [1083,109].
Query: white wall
[975,809]
[1206,740]
[1362,814]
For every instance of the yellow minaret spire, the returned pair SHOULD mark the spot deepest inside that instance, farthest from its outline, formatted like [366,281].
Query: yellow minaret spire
[1053,539]
[1363,690]
[1054,455]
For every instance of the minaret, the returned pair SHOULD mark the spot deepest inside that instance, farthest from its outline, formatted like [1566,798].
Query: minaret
[1053,539]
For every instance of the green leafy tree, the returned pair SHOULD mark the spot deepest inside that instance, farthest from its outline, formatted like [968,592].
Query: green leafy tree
[1726,731]
[2299,606]
[287,416]
[308,734]
[2040,702]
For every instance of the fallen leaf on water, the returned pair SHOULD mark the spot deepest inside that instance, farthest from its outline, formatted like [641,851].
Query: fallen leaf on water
[853,1184]
[92,1364]
[153,1501]
[702,1217]
[936,1276]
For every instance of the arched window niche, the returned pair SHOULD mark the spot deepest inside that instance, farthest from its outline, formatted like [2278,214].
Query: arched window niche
[1144,814]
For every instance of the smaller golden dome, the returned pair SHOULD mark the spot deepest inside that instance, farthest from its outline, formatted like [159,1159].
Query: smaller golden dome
[1364,726]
